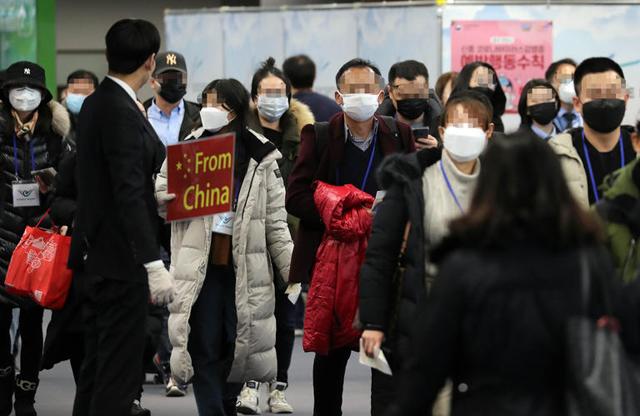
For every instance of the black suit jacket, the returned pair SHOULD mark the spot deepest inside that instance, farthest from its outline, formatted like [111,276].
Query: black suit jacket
[118,156]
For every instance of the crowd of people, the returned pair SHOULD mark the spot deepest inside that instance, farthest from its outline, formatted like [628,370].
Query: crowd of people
[412,223]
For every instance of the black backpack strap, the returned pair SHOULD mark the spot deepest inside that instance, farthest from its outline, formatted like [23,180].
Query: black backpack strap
[391,123]
[322,138]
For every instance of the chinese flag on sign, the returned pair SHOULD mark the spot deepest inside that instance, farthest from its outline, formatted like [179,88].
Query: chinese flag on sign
[200,173]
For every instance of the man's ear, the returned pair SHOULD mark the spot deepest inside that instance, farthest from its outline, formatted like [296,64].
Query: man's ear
[338,98]
[577,105]
[380,97]
[490,131]
[635,142]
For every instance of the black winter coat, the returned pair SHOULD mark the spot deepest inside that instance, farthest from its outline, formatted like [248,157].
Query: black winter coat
[401,176]
[47,150]
[495,324]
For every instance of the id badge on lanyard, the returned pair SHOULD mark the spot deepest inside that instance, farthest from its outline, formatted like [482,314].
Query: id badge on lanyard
[25,192]
[223,223]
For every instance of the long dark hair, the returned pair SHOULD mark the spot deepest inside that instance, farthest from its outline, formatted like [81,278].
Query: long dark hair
[525,119]
[522,196]
[235,97]
[499,100]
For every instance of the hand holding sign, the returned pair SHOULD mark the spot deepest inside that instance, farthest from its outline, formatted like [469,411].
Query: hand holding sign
[200,174]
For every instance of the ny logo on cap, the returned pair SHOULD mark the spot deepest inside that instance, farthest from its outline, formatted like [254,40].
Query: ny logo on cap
[172,59]
[27,71]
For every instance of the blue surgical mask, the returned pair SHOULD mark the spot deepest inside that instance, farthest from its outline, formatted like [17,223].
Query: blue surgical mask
[272,108]
[74,102]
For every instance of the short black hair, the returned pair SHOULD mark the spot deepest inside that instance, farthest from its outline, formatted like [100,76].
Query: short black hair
[83,74]
[2,75]
[356,63]
[408,70]
[301,71]
[551,71]
[268,68]
[130,42]
[594,66]
[526,119]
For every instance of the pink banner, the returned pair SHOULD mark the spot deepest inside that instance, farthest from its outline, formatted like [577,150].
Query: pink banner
[518,50]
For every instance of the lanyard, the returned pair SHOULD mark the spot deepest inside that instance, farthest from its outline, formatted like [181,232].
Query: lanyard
[366,175]
[446,179]
[586,155]
[15,155]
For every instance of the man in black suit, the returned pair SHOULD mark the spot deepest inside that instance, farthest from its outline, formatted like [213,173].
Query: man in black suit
[114,246]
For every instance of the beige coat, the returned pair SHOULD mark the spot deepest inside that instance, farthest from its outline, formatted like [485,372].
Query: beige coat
[260,236]
[572,166]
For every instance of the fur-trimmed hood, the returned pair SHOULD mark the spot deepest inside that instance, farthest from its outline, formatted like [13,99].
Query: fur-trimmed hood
[60,119]
[302,113]
[404,168]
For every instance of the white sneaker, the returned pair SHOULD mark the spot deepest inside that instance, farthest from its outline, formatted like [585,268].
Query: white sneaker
[174,390]
[249,401]
[277,399]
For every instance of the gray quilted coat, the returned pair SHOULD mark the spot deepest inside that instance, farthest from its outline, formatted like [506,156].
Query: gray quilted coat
[260,237]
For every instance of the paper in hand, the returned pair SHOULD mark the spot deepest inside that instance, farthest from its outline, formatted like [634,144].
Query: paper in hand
[293,292]
[379,361]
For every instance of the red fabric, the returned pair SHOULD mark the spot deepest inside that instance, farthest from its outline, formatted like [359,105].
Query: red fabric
[38,268]
[333,295]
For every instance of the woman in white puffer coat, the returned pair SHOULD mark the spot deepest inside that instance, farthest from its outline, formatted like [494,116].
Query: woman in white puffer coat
[222,326]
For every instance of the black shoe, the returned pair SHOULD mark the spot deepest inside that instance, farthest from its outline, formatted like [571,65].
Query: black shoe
[230,407]
[137,410]
[25,397]
[7,381]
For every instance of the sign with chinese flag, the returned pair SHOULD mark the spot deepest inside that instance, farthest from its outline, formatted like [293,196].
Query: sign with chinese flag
[518,50]
[200,173]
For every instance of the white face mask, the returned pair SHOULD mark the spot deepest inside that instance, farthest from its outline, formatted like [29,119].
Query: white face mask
[272,108]
[25,98]
[214,119]
[567,92]
[464,144]
[360,107]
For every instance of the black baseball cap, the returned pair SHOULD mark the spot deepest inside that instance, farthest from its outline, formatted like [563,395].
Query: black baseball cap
[28,74]
[170,61]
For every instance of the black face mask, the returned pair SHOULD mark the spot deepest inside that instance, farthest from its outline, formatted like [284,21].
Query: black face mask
[411,108]
[488,92]
[604,115]
[172,92]
[543,113]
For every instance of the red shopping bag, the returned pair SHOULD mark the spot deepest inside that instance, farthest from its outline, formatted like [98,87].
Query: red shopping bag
[38,267]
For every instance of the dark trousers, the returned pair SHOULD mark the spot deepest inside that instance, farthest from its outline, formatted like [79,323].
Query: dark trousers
[30,330]
[164,345]
[115,317]
[328,384]
[328,381]
[213,324]
[285,314]
[382,392]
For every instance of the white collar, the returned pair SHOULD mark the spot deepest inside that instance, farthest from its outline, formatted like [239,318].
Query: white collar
[126,87]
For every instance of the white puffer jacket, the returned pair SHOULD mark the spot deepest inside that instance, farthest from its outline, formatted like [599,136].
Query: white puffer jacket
[260,236]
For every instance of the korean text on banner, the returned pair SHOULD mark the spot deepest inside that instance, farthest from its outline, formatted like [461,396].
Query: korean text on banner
[518,50]
[200,173]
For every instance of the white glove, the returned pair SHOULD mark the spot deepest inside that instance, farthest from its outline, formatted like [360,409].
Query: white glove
[163,200]
[160,283]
